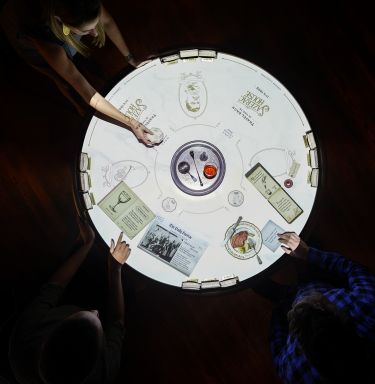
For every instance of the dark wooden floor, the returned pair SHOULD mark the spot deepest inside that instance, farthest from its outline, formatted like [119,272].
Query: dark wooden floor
[321,52]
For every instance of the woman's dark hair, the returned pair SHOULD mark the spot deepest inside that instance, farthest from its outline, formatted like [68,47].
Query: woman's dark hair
[76,12]
[70,353]
[330,342]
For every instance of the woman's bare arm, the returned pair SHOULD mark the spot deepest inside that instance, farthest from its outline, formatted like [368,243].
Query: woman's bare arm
[57,58]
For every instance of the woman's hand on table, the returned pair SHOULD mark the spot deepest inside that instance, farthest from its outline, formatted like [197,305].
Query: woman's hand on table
[120,251]
[293,245]
[103,106]
[140,132]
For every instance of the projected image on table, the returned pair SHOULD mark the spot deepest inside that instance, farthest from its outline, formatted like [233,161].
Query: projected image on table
[246,241]
[232,142]
[122,198]
[198,168]
[132,172]
[161,243]
[169,204]
[193,94]
[236,198]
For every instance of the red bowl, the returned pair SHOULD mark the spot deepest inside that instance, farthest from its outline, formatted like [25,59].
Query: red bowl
[209,171]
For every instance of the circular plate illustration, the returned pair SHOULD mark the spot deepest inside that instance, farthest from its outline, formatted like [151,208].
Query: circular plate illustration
[246,241]
[236,198]
[190,165]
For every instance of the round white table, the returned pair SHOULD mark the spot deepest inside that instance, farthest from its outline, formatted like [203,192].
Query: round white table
[216,98]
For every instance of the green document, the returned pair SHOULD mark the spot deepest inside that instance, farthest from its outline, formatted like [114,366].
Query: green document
[126,210]
[274,193]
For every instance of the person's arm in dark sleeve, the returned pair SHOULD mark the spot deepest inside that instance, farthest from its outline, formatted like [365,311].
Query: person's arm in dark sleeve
[355,274]
[51,292]
[114,336]
[279,333]
[117,257]
[68,269]
[358,278]
[114,331]
[360,291]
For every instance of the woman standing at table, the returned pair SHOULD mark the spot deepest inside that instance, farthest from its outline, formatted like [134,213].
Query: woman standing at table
[47,34]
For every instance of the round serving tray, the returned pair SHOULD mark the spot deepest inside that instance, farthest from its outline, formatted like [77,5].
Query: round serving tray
[194,182]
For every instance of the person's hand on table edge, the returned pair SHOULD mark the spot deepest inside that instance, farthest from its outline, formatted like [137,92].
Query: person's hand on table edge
[142,63]
[293,245]
[120,251]
[133,63]
[136,63]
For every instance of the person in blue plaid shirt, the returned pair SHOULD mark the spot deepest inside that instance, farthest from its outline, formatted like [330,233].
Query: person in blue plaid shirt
[325,332]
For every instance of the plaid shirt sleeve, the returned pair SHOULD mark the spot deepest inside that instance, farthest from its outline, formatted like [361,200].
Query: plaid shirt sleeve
[358,297]
[290,362]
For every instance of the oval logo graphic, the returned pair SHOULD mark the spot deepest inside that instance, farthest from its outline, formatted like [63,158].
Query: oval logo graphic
[131,172]
[192,94]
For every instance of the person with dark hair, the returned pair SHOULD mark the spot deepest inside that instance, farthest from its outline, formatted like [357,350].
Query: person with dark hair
[47,35]
[60,344]
[325,332]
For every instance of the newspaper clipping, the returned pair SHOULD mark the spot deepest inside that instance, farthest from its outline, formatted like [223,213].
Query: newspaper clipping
[174,245]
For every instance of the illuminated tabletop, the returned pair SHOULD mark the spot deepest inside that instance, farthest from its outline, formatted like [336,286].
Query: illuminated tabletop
[221,105]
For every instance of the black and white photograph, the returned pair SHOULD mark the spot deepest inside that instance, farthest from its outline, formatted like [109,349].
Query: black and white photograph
[173,244]
[161,243]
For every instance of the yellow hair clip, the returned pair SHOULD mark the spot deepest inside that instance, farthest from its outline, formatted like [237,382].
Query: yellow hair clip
[66,30]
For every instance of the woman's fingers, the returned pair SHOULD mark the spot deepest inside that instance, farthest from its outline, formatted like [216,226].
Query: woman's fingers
[119,240]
